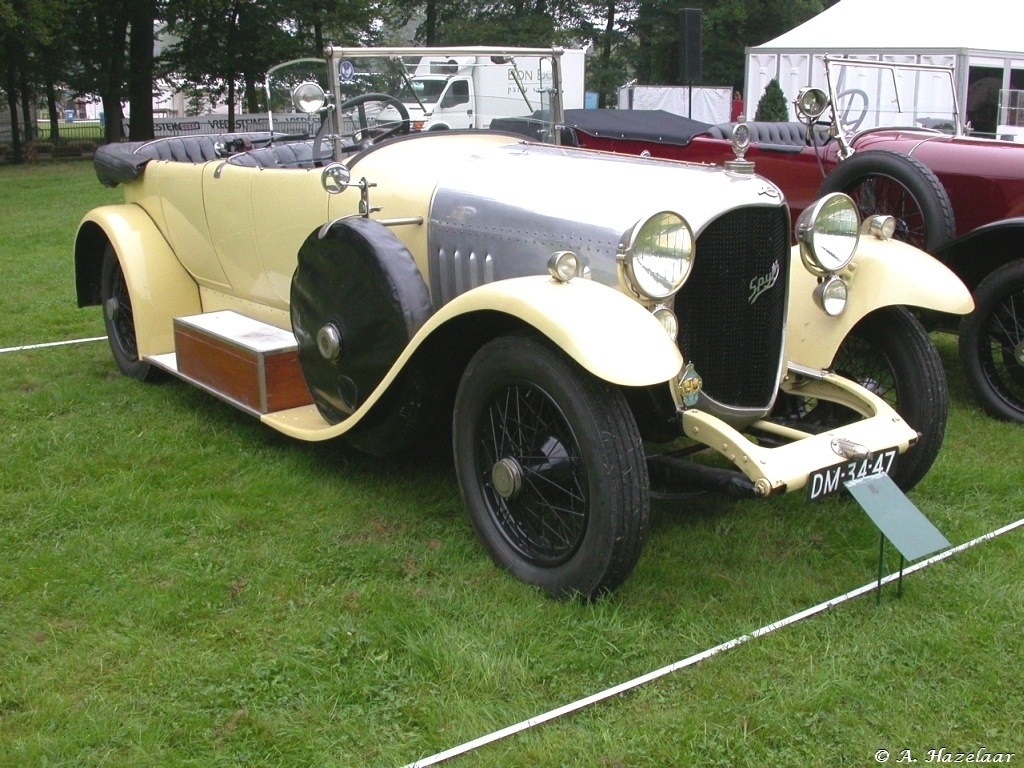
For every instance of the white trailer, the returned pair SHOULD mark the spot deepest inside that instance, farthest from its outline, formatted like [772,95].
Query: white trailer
[470,91]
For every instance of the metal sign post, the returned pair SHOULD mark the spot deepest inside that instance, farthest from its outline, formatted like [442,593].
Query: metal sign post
[898,520]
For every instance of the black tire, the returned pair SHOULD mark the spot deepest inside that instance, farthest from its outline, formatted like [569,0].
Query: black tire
[551,468]
[882,182]
[120,320]
[362,282]
[992,343]
[890,353]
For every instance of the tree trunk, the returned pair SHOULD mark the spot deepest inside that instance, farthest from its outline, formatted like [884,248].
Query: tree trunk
[26,107]
[252,94]
[12,105]
[113,76]
[430,23]
[231,104]
[53,109]
[606,55]
[140,70]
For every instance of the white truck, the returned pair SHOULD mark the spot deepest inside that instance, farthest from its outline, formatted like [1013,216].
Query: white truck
[470,91]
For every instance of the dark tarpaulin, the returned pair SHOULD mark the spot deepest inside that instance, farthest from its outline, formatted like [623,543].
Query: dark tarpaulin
[639,124]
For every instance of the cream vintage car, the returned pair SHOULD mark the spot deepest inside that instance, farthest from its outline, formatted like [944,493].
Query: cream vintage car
[586,324]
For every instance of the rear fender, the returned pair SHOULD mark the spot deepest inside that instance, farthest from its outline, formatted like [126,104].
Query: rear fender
[975,255]
[159,286]
[883,273]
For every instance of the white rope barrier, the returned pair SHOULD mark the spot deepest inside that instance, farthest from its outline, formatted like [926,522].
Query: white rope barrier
[69,342]
[658,673]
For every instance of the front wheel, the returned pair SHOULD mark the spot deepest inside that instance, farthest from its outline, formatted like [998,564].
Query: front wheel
[120,320]
[890,353]
[992,343]
[551,468]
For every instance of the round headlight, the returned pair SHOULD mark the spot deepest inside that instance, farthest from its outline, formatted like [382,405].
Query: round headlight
[563,266]
[811,103]
[882,227]
[658,254]
[308,98]
[668,320]
[831,295]
[828,233]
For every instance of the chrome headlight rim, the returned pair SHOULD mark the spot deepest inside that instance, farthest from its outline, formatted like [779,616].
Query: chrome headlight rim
[811,103]
[832,295]
[308,97]
[828,233]
[563,266]
[664,315]
[654,272]
[880,226]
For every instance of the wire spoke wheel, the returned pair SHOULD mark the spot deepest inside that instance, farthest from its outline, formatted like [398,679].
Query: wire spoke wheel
[119,319]
[890,354]
[879,194]
[890,184]
[533,474]
[992,343]
[122,321]
[551,468]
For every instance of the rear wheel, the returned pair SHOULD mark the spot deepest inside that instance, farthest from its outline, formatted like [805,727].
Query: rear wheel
[882,182]
[992,343]
[551,468]
[120,320]
[890,353]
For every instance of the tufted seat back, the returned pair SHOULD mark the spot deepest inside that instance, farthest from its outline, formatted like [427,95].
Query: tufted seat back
[288,155]
[182,149]
[772,135]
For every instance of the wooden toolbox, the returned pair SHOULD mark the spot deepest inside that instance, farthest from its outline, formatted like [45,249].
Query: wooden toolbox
[245,361]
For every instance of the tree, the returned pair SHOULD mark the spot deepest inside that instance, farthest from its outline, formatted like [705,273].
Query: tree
[141,68]
[728,27]
[24,33]
[99,57]
[224,47]
[772,106]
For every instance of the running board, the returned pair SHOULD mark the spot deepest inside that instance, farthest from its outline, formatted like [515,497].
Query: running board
[247,363]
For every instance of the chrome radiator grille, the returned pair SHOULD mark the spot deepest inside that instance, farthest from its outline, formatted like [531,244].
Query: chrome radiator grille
[732,310]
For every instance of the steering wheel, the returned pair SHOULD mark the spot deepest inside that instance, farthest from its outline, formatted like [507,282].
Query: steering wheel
[852,100]
[364,135]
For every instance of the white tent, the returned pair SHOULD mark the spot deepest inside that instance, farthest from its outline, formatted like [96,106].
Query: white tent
[980,40]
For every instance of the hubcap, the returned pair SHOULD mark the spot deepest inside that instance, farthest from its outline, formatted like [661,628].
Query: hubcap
[1018,353]
[111,308]
[507,478]
[328,342]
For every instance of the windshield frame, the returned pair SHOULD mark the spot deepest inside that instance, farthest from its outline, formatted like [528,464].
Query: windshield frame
[335,55]
[834,75]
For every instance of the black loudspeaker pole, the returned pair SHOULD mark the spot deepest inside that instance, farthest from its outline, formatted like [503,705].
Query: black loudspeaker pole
[690,50]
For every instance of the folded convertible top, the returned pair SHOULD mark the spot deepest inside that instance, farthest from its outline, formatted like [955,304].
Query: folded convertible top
[640,124]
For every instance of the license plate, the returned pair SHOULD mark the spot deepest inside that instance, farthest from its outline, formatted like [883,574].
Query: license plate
[824,482]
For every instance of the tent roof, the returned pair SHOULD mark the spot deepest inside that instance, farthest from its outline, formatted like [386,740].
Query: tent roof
[907,25]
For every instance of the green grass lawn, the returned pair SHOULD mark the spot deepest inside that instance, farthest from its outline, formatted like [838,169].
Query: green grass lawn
[181,586]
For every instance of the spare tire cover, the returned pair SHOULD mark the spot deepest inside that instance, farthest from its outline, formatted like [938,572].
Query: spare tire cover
[360,279]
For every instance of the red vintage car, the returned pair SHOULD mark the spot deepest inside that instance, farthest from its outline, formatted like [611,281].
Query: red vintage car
[889,136]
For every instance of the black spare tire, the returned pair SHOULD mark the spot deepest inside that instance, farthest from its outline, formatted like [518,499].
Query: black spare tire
[357,298]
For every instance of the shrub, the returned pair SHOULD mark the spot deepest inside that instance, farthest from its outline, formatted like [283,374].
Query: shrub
[772,107]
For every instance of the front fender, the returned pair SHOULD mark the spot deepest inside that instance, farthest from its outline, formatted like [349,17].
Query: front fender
[883,273]
[606,332]
[602,329]
[160,287]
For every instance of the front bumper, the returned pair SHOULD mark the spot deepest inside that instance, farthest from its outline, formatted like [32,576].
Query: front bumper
[783,468]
